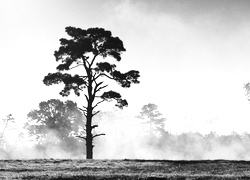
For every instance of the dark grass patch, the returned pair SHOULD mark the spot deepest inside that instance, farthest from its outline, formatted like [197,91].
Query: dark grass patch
[124,169]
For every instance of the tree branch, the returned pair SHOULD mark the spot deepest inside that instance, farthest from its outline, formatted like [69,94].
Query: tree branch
[101,88]
[94,126]
[96,113]
[95,89]
[102,74]
[94,77]
[87,62]
[84,110]
[76,66]
[82,137]
[93,59]
[96,84]
[85,66]
[86,98]
[98,103]
[97,77]
[98,135]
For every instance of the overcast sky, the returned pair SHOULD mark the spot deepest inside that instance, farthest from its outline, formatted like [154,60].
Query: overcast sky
[193,56]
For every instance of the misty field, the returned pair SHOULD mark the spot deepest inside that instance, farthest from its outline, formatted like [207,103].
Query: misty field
[123,169]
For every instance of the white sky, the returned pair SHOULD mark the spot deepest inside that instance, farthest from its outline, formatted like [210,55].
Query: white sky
[193,56]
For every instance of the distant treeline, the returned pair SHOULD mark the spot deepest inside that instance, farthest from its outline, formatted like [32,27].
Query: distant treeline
[52,131]
[197,146]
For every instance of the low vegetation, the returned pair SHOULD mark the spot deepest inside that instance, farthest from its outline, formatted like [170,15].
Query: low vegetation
[123,169]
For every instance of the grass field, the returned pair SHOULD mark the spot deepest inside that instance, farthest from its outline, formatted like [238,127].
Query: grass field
[123,169]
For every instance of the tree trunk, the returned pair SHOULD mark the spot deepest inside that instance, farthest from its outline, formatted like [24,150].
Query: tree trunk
[89,154]
[89,147]
[89,143]
[89,136]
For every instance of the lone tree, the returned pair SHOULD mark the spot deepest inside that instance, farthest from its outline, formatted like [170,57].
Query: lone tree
[83,50]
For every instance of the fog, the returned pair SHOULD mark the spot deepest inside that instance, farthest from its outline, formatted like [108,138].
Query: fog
[127,137]
[22,146]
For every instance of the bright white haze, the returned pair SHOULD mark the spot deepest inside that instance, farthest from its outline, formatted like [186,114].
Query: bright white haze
[193,56]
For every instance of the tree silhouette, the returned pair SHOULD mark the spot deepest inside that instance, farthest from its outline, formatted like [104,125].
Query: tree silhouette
[6,123]
[6,127]
[247,88]
[61,118]
[82,50]
[152,118]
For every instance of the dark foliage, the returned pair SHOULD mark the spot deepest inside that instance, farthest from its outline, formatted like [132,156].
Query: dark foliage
[114,95]
[75,52]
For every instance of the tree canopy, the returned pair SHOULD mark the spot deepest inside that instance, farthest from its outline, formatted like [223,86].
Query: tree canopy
[82,50]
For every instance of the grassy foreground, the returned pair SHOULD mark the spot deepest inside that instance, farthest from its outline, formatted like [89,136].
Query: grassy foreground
[123,169]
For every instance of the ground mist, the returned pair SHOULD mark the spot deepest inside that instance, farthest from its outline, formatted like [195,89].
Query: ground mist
[128,138]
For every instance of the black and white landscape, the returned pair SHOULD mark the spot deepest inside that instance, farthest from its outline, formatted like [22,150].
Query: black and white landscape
[139,88]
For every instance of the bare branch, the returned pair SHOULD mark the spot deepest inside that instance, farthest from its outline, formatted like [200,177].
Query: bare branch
[88,63]
[102,74]
[93,59]
[82,137]
[94,126]
[99,84]
[96,113]
[76,66]
[86,98]
[84,110]
[95,89]
[98,103]
[101,88]
[98,135]
[97,77]
[94,77]
[85,65]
